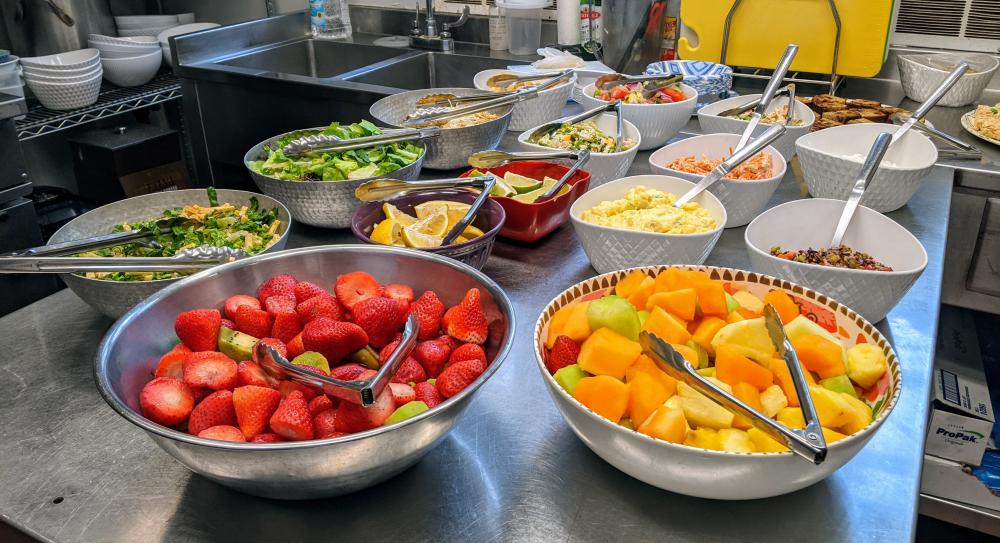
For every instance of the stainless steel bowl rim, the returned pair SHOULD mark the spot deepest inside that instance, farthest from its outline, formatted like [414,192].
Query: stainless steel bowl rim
[103,351]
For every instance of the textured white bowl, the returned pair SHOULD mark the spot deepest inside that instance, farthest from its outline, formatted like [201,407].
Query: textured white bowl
[743,200]
[828,174]
[700,472]
[612,249]
[63,96]
[919,80]
[656,122]
[603,167]
[810,222]
[32,76]
[70,60]
[108,50]
[712,123]
[144,20]
[584,78]
[137,40]
[144,32]
[132,71]
[545,107]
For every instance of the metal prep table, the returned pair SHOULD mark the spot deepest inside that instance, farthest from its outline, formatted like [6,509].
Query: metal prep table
[511,470]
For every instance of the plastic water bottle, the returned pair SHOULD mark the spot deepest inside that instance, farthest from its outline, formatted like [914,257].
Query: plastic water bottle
[331,19]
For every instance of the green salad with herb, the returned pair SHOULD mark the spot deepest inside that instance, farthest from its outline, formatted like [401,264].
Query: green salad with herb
[247,227]
[337,166]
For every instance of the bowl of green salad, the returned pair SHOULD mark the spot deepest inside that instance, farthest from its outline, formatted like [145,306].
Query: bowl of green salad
[319,187]
[219,217]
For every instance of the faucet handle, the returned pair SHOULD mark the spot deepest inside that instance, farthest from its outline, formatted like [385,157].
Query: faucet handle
[462,19]
[415,27]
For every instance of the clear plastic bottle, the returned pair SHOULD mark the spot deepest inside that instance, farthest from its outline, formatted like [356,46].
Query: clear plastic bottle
[331,19]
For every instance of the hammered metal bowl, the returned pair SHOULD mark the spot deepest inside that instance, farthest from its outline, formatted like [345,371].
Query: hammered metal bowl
[451,150]
[304,469]
[114,298]
[327,204]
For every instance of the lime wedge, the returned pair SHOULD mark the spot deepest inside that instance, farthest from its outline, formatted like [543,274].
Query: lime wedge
[520,183]
[530,197]
[501,188]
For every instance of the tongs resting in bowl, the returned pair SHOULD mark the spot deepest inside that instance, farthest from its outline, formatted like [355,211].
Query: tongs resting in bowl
[769,92]
[329,143]
[494,158]
[787,90]
[611,81]
[205,256]
[506,80]
[550,127]
[808,442]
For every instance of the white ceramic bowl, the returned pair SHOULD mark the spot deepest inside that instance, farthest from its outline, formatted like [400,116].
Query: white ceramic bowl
[829,174]
[185,18]
[13,90]
[137,40]
[107,48]
[145,20]
[9,66]
[616,248]
[712,123]
[919,79]
[584,78]
[545,107]
[809,223]
[164,36]
[75,72]
[132,71]
[656,122]
[70,60]
[743,200]
[31,76]
[63,96]
[705,473]
[603,167]
[151,31]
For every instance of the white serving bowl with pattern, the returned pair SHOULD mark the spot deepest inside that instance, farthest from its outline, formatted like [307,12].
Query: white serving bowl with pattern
[46,77]
[545,107]
[70,60]
[656,122]
[831,162]
[616,248]
[809,223]
[743,200]
[920,79]
[712,123]
[707,473]
[603,167]
[63,96]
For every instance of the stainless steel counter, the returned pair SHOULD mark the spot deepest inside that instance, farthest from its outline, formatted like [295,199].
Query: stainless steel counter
[511,470]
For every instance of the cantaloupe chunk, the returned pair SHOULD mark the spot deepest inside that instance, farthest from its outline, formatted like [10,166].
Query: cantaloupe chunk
[820,355]
[787,309]
[681,302]
[733,440]
[641,294]
[645,395]
[831,407]
[688,353]
[667,424]
[706,330]
[750,395]
[666,326]
[630,283]
[712,298]
[676,279]
[859,417]
[646,365]
[577,325]
[556,325]
[783,378]
[700,411]
[732,367]
[764,442]
[606,396]
[607,352]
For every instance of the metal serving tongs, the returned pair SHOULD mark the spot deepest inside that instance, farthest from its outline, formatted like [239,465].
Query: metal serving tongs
[506,80]
[739,157]
[769,92]
[363,392]
[580,117]
[610,81]
[195,258]
[808,443]
[383,189]
[450,100]
[492,159]
[932,101]
[326,143]
[961,150]
[787,90]
[868,169]
[83,245]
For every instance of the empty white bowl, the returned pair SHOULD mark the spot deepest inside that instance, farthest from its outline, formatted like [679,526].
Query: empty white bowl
[920,76]
[712,123]
[612,249]
[63,96]
[31,76]
[743,200]
[70,60]
[809,223]
[603,167]
[547,106]
[132,71]
[656,122]
[829,173]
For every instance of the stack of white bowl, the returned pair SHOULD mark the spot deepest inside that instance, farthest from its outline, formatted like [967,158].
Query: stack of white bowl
[144,25]
[66,80]
[10,78]
[164,37]
[128,62]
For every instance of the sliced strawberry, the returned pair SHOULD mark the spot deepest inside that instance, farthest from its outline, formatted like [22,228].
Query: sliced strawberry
[313,369]
[402,393]
[386,352]
[319,404]
[181,347]
[233,302]
[401,293]
[287,387]
[215,410]
[295,347]
[332,339]
[325,423]
[199,329]
[319,306]
[564,353]
[286,325]
[210,369]
[351,417]
[380,318]
[427,393]
[250,373]
[410,371]
[255,322]
[432,355]
[305,290]
[281,303]
[451,342]
[166,401]
[254,406]
[353,287]
[267,438]
[171,364]
[292,420]
[428,309]
[468,351]
[348,372]
[467,321]
[277,286]
[223,433]
[459,375]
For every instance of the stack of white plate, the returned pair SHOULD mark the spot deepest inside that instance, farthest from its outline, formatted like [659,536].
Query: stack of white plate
[128,62]
[66,80]
[10,78]
[144,25]
[164,37]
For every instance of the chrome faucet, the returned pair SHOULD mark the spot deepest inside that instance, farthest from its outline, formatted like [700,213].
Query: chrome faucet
[428,38]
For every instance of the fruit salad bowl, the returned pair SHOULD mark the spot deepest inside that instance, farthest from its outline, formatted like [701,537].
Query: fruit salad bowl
[297,469]
[695,468]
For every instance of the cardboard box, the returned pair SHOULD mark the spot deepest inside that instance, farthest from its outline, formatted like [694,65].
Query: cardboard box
[951,481]
[961,414]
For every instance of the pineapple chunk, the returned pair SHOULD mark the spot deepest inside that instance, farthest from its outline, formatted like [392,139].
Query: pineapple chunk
[792,417]
[701,411]
[674,402]
[866,364]
[705,438]
[832,436]
[764,442]
[732,440]
[773,400]
[706,372]
[749,301]
[720,384]
[859,417]
[748,338]
[832,408]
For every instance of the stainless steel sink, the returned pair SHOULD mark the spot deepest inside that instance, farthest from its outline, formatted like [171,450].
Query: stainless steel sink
[428,71]
[314,58]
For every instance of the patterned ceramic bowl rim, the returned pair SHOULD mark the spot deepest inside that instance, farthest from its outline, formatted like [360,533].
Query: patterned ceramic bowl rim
[858,327]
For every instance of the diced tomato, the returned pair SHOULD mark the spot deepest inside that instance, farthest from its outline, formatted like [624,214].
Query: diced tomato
[619,93]
[675,94]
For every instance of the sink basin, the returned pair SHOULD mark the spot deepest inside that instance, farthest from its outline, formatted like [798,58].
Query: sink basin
[428,71]
[314,58]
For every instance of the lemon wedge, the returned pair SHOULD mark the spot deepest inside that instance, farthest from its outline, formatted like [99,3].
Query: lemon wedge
[418,240]
[435,225]
[471,232]
[393,212]
[426,209]
[387,232]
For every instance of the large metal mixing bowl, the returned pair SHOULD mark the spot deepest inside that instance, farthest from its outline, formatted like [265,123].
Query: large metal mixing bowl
[114,298]
[305,469]
[452,148]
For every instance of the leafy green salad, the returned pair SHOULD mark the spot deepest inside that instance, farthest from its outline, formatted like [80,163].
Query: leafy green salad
[337,166]
[247,227]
